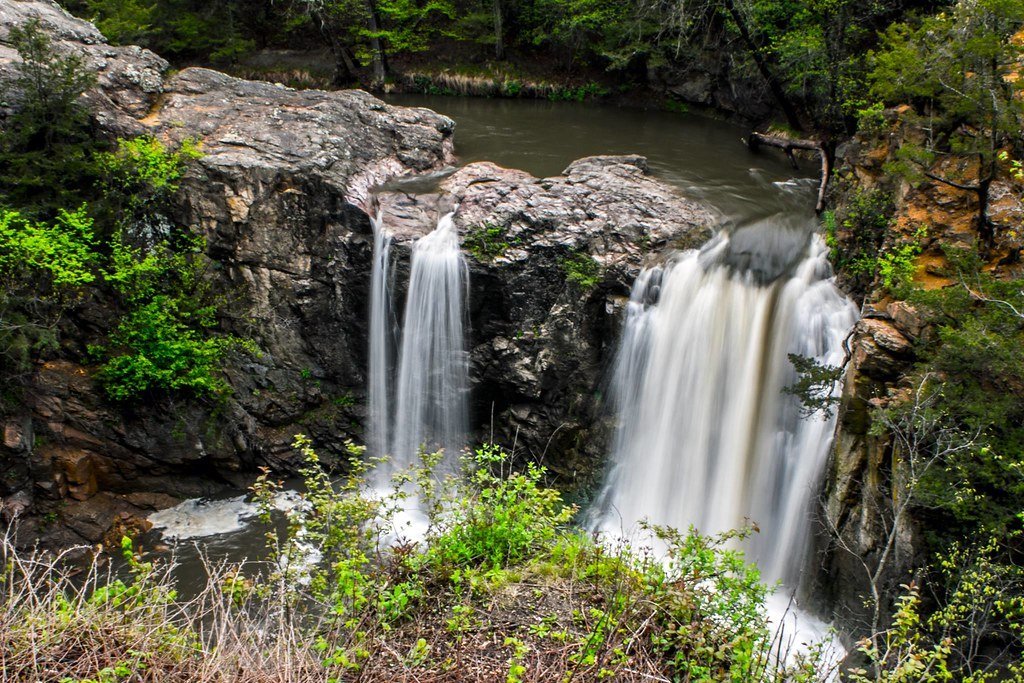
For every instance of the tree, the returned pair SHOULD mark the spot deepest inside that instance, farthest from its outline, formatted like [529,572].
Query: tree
[370,30]
[962,69]
[46,144]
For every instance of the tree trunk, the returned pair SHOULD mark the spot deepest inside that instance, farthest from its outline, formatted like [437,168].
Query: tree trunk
[345,70]
[985,229]
[762,66]
[826,152]
[499,37]
[379,59]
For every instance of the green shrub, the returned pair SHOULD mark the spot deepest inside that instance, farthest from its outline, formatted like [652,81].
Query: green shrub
[894,267]
[582,270]
[982,604]
[487,242]
[499,520]
[138,180]
[44,268]
[165,341]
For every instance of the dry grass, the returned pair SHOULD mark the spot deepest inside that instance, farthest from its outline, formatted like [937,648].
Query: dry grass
[60,620]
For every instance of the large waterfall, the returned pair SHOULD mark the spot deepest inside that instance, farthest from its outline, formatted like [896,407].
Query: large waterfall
[706,435]
[430,392]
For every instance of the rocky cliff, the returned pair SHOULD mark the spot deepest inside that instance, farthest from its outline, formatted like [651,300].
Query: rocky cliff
[876,210]
[280,195]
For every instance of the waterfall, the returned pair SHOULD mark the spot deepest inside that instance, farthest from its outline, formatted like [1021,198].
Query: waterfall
[382,326]
[430,398]
[706,436]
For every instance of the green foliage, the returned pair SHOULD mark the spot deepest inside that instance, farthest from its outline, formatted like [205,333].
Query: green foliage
[60,253]
[582,270]
[165,341]
[500,520]
[487,242]
[815,385]
[697,610]
[337,518]
[894,266]
[855,232]
[50,255]
[124,22]
[45,145]
[979,332]
[157,348]
[217,31]
[44,268]
[581,30]
[137,181]
[578,93]
[983,602]
[962,66]
[819,46]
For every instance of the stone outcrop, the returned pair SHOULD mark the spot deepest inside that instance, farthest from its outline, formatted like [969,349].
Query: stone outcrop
[540,342]
[860,491]
[281,194]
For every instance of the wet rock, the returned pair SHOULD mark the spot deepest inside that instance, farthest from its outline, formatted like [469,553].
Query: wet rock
[541,341]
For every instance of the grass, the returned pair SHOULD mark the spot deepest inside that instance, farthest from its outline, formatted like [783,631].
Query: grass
[499,84]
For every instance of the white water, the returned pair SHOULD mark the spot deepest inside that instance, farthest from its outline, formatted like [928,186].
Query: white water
[203,517]
[706,437]
[382,325]
[430,398]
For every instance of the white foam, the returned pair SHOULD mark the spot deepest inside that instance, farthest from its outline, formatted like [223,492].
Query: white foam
[203,517]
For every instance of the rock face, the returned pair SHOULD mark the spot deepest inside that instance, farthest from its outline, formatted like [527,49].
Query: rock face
[278,195]
[861,488]
[859,496]
[281,194]
[541,339]
[713,80]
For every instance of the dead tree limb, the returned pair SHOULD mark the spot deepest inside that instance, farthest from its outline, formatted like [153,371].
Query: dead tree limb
[756,140]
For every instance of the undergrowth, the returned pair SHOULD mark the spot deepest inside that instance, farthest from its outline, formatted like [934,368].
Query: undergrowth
[496,587]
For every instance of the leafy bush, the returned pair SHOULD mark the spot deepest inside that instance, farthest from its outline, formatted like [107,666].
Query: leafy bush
[854,233]
[165,341]
[140,175]
[981,611]
[43,269]
[499,520]
[582,270]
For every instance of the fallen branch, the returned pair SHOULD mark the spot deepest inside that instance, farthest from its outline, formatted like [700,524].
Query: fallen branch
[756,140]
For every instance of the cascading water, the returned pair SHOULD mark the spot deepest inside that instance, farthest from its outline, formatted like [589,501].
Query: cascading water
[706,435]
[430,398]
[382,326]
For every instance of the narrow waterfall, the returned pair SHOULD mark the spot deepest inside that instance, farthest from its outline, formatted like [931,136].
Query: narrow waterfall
[382,326]
[706,436]
[430,398]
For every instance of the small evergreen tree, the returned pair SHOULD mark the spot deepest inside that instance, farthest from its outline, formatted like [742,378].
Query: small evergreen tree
[45,146]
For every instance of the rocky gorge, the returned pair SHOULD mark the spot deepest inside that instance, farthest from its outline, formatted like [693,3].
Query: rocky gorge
[282,194]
